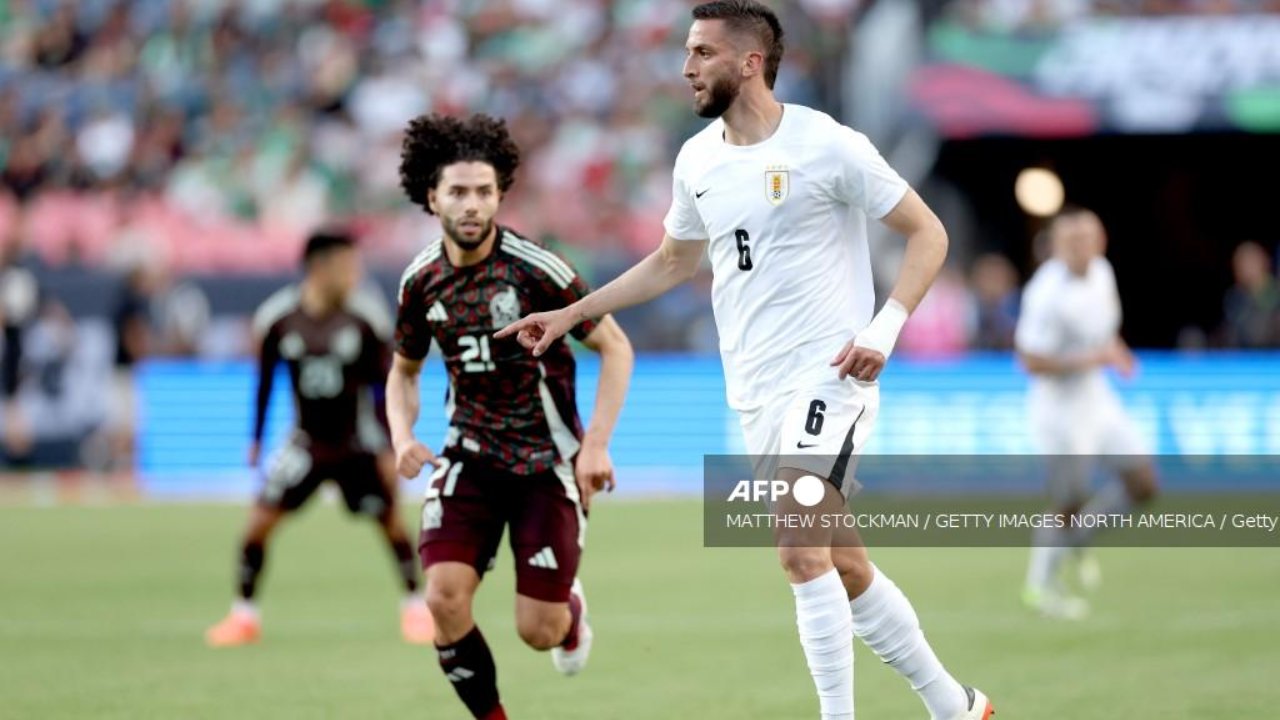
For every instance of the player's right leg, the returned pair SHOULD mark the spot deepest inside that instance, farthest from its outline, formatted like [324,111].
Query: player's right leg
[823,619]
[243,623]
[462,523]
[292,477]
[464,655]
[1125,451]
[885,620]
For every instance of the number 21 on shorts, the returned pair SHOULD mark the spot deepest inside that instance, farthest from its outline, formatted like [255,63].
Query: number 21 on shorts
[433,509]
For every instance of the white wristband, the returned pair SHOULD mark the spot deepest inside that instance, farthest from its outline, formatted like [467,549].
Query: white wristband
[882,333]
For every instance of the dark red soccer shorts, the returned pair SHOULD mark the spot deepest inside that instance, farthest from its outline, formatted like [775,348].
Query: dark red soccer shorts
[470,502]
[296,471]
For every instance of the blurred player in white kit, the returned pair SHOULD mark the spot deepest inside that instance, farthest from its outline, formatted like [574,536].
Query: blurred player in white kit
[1068,333]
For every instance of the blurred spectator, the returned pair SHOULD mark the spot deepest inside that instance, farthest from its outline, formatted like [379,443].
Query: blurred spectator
[996,298]
[183,318]
[133,332]
[1251,308]
[105,143]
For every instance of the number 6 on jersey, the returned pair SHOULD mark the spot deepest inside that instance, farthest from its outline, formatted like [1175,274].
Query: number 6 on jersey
[744,250]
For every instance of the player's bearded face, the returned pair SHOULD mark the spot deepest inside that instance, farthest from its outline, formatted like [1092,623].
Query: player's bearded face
[717,96]
[466,199]
[467,232]
[713,68]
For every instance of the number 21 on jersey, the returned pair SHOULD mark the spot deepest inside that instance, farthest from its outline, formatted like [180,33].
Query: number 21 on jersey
[475,353]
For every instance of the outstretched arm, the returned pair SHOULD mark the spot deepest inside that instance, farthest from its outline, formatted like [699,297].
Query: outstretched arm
[864,356]
[674,262]
[594,469]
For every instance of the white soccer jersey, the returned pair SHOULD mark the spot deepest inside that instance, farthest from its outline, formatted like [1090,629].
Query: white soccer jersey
[1064,315]
[787,224]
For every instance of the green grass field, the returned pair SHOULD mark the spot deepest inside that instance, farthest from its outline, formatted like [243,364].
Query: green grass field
[102,610]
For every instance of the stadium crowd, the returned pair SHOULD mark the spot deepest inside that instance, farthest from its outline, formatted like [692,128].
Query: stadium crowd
[215,135]
[210,136]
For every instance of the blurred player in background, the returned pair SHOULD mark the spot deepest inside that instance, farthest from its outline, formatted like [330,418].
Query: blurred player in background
[515,455]
[334,341]
[19,307]
[1069,331]
[780,196]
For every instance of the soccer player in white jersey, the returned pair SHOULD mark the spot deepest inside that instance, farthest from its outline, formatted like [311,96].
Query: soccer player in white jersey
[779,196]
[1069,331]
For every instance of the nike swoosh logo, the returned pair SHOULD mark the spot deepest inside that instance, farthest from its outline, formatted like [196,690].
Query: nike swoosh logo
[699,195]
[803,446]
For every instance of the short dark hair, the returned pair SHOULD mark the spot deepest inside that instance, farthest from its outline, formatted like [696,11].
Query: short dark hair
[749,16]
[323,242]
[433,142]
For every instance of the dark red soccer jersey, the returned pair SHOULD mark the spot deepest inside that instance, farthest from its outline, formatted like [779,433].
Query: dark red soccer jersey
[338,364]
[518,411]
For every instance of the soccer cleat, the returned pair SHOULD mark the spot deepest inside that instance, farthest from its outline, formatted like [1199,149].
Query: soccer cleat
[1055,604]
[237,628]
[416,625]
[571,660]
[980,708]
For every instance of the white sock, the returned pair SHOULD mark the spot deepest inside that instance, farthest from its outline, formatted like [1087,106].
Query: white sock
[412,599]
[240,606]
[1048,546]
[1111,499]
[823,618]
[884,619]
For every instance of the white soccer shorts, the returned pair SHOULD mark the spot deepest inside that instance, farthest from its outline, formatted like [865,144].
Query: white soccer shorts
[819,429]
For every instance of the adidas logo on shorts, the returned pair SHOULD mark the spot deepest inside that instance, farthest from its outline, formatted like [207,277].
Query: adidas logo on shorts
[544,559]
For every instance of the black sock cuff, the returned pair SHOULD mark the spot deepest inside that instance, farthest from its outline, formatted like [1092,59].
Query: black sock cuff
[472,639]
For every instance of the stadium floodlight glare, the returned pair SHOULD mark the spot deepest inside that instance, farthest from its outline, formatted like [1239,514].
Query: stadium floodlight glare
[1039,192]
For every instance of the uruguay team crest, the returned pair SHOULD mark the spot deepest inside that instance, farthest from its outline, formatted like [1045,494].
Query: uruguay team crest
[504,307]
[776,184]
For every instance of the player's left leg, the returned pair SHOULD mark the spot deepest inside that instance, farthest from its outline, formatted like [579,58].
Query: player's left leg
[885,620]
[548,531]
[1125,452]
[368,487]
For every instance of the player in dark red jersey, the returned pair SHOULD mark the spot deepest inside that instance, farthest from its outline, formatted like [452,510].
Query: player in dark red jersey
[334,341]
[515,454]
